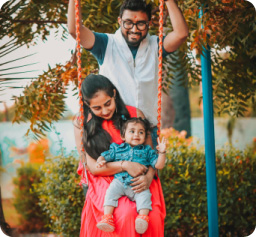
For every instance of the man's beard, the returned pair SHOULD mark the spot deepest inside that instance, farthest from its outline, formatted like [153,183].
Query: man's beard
[133,43]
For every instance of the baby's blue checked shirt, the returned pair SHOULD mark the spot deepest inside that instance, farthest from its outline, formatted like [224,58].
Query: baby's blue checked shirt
[142,154]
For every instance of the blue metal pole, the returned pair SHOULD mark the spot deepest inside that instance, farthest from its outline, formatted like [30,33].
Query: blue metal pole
[212,203]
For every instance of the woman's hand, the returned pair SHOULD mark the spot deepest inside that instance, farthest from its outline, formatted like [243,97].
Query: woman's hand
[133,168]
[140,183]
[143,182]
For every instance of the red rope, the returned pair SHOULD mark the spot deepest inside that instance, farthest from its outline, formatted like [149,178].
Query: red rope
[160,60]
[79,69]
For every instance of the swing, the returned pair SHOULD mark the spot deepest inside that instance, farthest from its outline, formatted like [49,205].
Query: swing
[79,75]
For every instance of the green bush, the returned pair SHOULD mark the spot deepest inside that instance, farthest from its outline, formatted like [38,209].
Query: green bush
[26,201]
[184,185]
[61,197]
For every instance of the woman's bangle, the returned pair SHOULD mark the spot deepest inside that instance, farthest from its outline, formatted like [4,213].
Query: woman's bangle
[122,164]
[161,152]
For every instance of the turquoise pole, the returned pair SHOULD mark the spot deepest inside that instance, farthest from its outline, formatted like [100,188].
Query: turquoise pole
[212,203]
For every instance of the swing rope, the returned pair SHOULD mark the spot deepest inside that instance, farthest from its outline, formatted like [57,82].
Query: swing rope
[79,74]
[79,68]
[160,65]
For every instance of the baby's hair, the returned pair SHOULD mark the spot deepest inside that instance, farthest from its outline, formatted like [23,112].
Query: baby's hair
[145,123]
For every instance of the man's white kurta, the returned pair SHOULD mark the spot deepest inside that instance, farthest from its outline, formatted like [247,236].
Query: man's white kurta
[136,80]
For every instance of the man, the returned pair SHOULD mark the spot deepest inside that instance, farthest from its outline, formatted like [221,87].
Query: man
[129,58]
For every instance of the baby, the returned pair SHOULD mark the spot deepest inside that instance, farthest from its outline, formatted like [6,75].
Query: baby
[133,133]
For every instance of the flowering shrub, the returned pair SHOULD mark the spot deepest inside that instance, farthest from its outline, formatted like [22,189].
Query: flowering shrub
[60,195]
[184,185]
[32,218]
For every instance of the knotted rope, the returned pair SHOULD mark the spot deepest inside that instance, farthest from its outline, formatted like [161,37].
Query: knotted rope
[160,65]
[79,71]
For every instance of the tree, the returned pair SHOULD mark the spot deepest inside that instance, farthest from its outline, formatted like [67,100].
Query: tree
[228,25]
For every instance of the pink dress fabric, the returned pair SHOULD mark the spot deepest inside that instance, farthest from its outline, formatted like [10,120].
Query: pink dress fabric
[125,213]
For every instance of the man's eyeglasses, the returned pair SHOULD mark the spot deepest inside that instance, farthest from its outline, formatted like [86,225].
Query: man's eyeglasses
[141,25]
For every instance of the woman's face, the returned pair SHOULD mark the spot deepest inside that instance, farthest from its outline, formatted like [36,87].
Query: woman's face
[102,105]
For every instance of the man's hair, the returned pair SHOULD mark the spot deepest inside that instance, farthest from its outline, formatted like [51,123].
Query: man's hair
[136,5]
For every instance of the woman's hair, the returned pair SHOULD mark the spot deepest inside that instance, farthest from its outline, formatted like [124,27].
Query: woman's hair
[95,138]
[144,122]
[136,5]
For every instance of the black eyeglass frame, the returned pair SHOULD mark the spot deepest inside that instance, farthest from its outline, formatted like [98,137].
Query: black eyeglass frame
[132,24]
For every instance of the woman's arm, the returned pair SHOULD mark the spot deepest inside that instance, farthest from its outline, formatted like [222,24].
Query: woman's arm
[109,169]
[133,168]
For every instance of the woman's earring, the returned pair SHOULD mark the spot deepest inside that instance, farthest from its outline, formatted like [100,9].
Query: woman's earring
[115,103]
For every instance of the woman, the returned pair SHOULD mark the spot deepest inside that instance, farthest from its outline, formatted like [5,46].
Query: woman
[103,110]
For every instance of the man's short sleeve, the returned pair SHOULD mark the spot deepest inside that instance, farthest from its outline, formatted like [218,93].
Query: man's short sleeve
[164,52]
[99,48]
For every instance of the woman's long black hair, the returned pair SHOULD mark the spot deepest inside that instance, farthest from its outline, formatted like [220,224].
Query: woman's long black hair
[95,138]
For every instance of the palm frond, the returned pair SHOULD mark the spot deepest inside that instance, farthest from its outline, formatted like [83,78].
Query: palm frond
[8,68]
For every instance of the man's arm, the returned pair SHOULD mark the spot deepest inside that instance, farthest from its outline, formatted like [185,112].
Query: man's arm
[86,35]
[180,29]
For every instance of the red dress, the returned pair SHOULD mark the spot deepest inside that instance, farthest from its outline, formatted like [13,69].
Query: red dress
[125,213]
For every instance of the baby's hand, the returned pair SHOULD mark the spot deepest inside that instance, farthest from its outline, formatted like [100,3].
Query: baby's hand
[161,147]
[100,164]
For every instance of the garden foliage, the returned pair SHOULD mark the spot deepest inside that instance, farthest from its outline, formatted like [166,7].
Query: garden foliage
[61,197]
[184,185]
[32,218]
